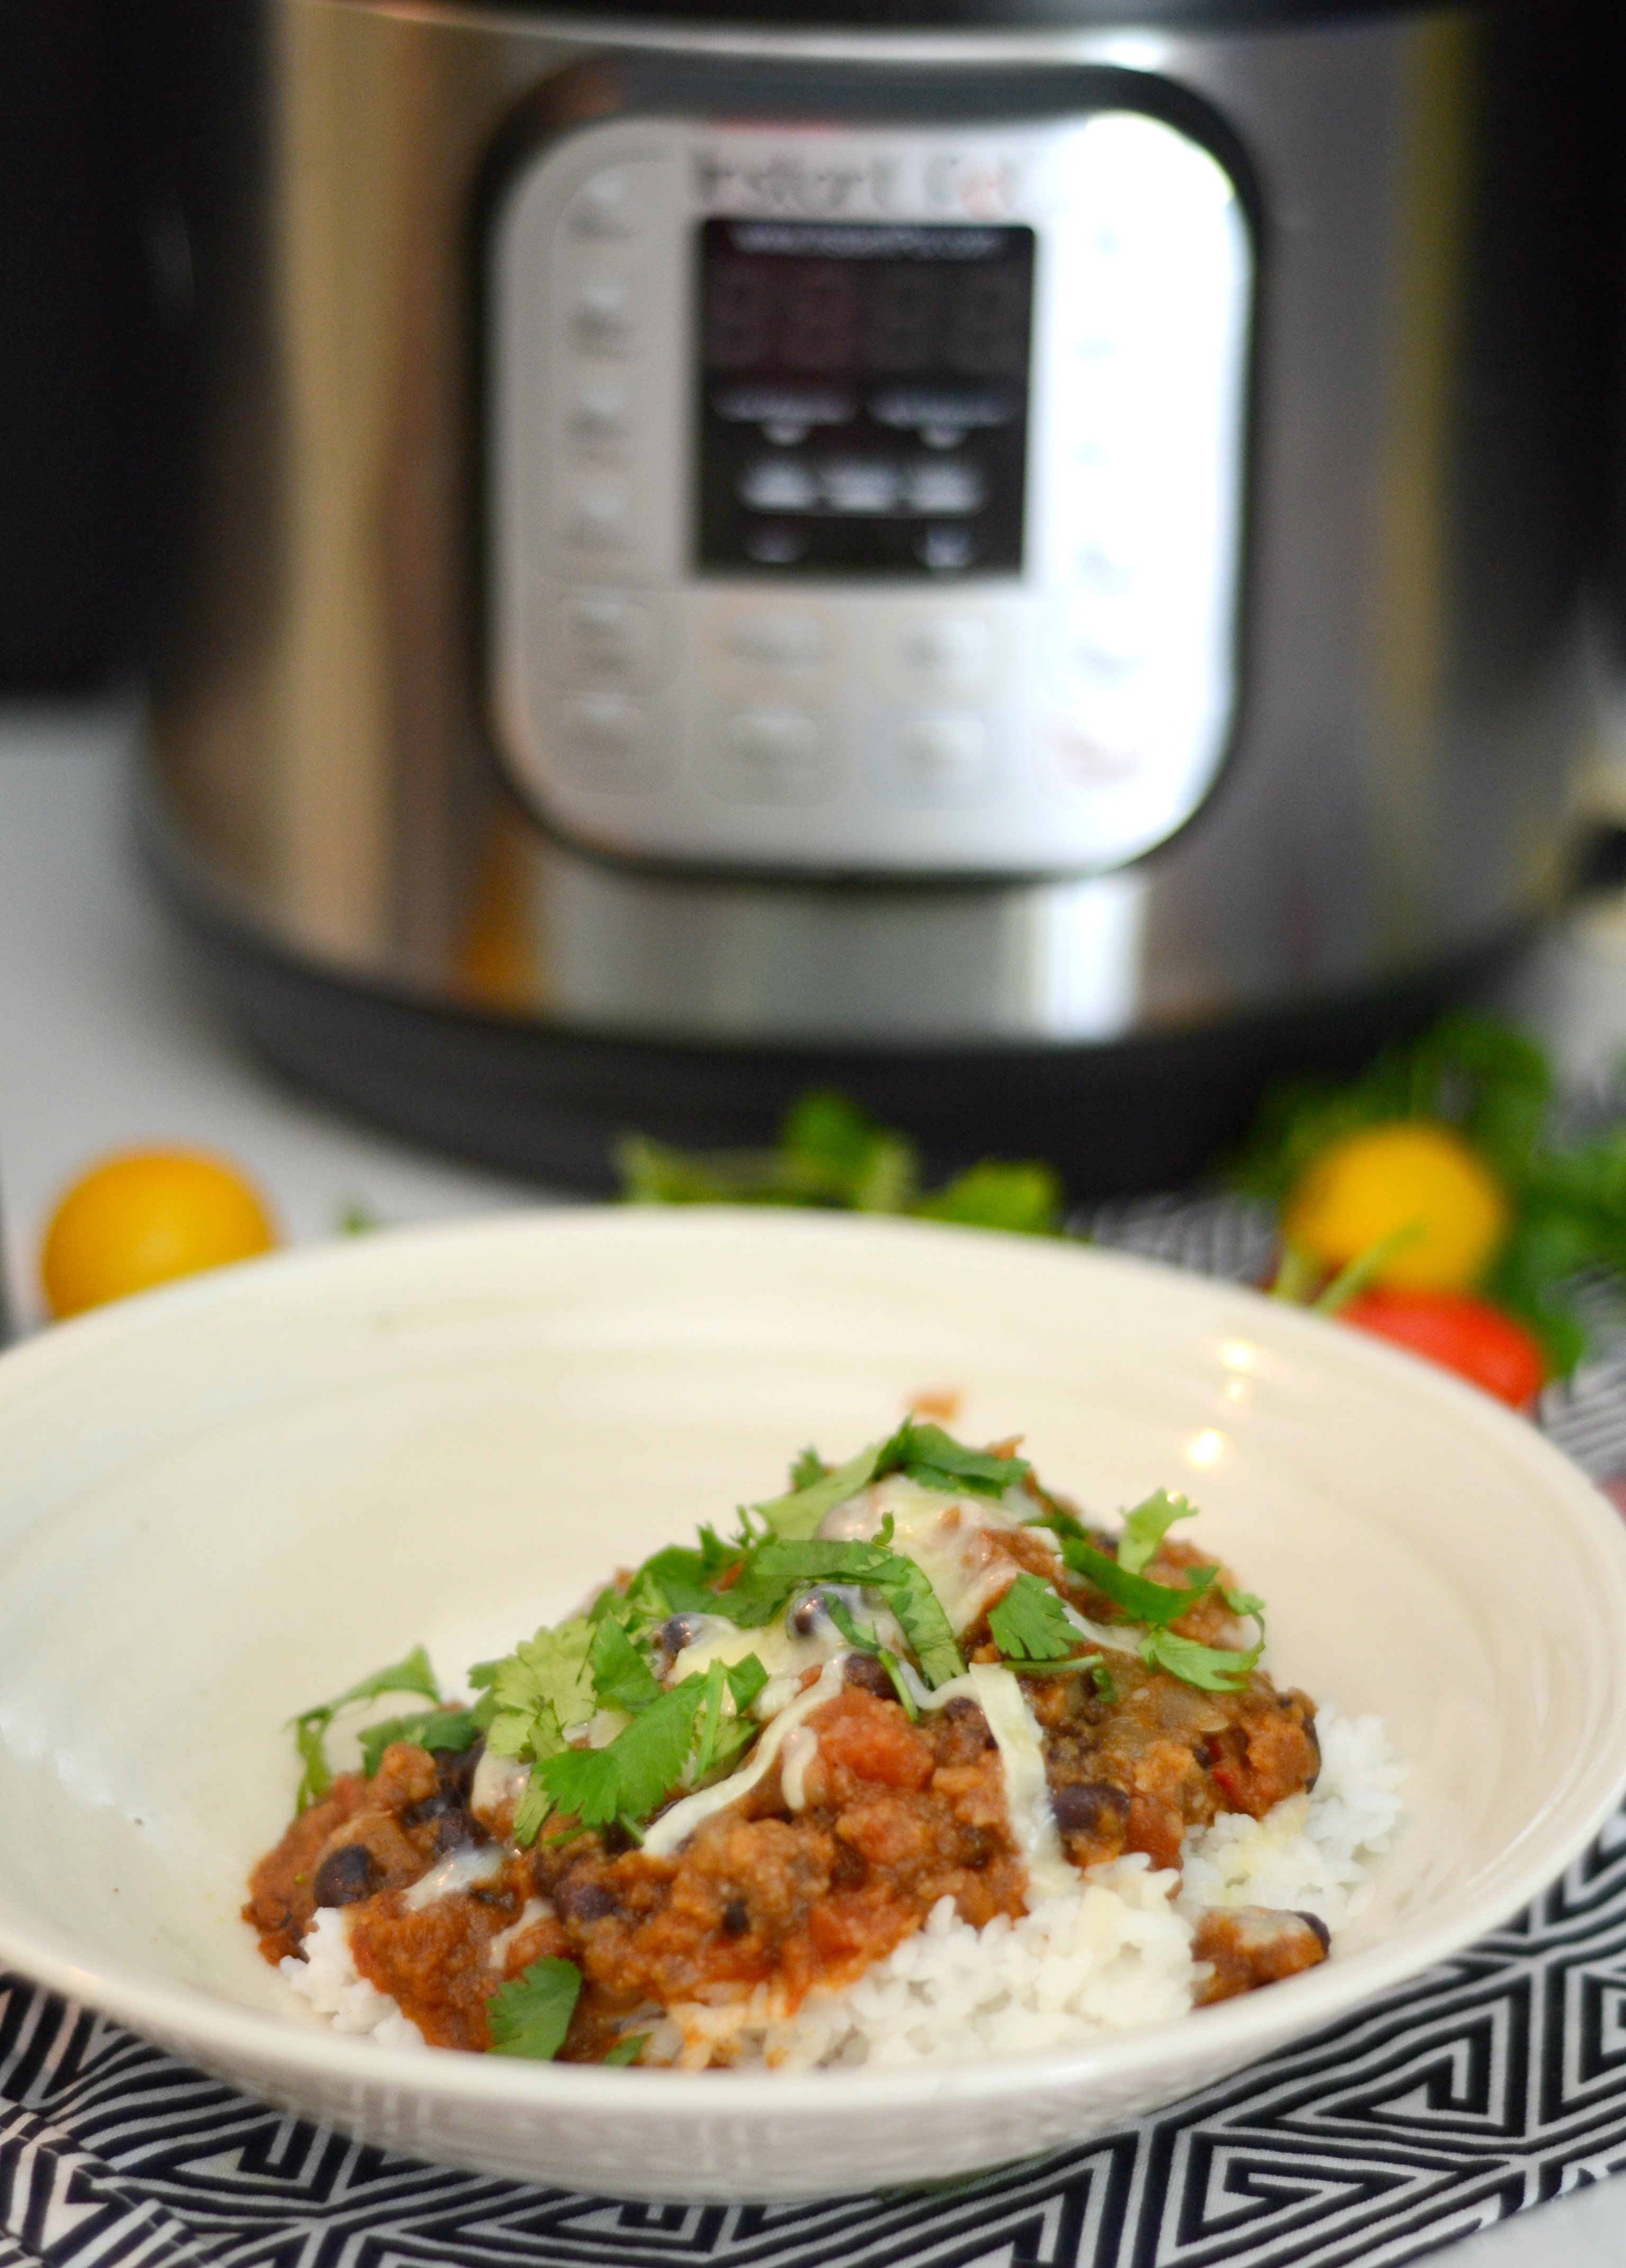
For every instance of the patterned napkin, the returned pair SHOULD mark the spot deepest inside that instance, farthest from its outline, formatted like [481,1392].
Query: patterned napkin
[1492,2083]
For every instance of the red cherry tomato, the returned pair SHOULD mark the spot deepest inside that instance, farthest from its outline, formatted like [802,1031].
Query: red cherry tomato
[1460,1333]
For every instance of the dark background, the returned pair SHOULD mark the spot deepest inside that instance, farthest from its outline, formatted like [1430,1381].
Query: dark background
[71,293]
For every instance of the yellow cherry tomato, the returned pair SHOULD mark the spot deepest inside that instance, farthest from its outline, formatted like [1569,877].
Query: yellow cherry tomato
[1411,1175]
[145,1217]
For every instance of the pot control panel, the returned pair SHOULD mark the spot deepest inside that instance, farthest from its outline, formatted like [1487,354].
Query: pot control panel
[867,501]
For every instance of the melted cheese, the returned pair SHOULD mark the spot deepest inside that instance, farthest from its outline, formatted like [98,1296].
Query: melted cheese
[498,1783]
[675,1827]
[800,1747]
[459,1870]
[1027,1790]
[785,1654]
[949,1538]
[533,1912]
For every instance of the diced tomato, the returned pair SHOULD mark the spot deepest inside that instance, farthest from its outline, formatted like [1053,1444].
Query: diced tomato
[1461,1333]
[874,1740]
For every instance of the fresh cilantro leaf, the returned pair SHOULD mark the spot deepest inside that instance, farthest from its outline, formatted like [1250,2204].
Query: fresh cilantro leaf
[531,2016]
[1216,1669]
[807,1470]
[1145,1528]
[1142,1600]
[1025,1198]
[746,1679]
[684,1576]
[628,1778]
[1030,1623]
[831,1152]
[919,1615]
[901,1685]
[621,1679]
[935,1460]
[778,1568]
[413,1675]
[711,1720]
[831,1148]
[542,1690]
[446,1731]
[532,1808]
[796,1518]
[627,2048]
[865,1641]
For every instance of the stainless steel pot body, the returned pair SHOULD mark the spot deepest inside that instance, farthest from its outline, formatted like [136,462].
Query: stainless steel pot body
[325,774]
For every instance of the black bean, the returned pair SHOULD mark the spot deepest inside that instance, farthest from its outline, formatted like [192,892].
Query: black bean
[1315,1923]
[736,1920]
[962,1710]
[1090,1807]
[1315,1741]
[455,1771]
[806,1616]
[863,1671]
[345,1875]
[616,1838]
[679,1631]
[432,1807]
[584,1901]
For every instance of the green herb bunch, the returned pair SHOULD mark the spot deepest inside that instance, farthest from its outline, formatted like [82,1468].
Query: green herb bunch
[831,1154]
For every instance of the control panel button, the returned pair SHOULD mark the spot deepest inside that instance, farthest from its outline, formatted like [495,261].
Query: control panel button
[942,655]
[605,206]
[602,318]
[609,744]
[1079,757]
[600,639]
[945,487]
[942,751]
[778,642]
[945,758]
[773,756]
[600,421]
[597,519]
[778,484]
[1090,651]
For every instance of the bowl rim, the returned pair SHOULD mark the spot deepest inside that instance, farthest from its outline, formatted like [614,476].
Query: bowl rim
[1234,2031]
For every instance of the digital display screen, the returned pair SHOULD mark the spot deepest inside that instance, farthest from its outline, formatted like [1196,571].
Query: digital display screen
[863,396]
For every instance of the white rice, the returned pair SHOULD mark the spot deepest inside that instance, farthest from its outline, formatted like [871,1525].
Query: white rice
[1113,1955]
[324,1974]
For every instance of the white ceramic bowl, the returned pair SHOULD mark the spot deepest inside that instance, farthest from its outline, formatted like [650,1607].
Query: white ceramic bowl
[224,1501]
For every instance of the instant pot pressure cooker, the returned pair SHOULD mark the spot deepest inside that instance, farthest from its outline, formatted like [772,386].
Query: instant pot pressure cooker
[1022,558]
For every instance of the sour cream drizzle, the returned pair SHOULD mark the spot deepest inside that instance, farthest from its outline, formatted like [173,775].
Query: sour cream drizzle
[1022,1760]
[949,1538]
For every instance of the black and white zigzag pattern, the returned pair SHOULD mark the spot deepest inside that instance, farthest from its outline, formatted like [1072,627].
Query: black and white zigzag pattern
[1494,2083]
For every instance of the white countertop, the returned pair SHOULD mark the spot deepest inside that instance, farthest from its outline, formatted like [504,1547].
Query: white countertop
[108,1039]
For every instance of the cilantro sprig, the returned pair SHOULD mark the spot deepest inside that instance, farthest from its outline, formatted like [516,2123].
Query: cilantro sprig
[447,1731]
[1030,1623]
[412,1675]
[626,1780]
[776,1571]
[1154,1606]
[531,2016]
[831,1152]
